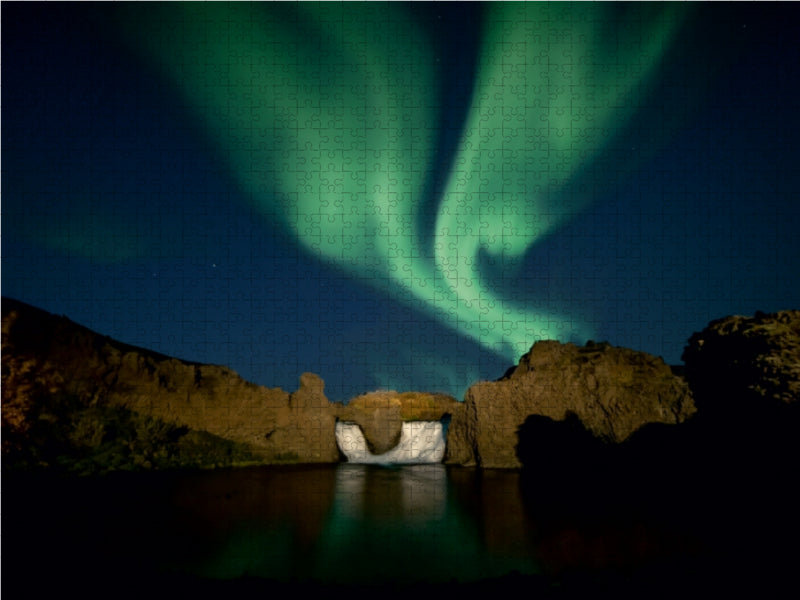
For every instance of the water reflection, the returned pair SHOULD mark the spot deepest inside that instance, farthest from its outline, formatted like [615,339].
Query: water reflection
[351,523]
[342,523]
[411,494]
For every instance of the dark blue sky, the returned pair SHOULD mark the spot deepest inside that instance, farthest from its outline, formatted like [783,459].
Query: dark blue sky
[119,210]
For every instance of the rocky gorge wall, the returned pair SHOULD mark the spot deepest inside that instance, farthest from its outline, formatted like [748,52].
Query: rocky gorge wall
[70,394]
[52,364]
[613,392]
[80,401]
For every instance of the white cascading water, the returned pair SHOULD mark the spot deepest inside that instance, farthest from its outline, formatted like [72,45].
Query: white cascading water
[420,442]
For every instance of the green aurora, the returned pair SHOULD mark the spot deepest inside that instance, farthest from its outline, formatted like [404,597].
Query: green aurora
[328,116]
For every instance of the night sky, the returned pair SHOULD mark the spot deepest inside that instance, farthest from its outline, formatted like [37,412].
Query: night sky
[399,196]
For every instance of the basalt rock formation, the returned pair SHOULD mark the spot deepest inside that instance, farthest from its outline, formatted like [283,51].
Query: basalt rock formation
[741,363]
[71,395]
[745,376]
[612,391]
[79,401]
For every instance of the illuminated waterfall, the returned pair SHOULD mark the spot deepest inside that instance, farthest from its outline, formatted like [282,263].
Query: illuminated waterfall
[420,442]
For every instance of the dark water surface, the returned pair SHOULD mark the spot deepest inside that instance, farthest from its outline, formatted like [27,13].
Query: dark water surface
[333,524]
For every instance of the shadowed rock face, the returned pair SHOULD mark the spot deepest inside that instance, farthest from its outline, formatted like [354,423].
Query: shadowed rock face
[739,363]
[612,391]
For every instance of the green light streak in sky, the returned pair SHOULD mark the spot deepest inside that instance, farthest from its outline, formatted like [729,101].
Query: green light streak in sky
[327,114]
[555,82]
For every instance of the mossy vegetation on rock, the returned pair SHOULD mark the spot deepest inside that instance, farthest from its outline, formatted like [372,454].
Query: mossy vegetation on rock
[63,434]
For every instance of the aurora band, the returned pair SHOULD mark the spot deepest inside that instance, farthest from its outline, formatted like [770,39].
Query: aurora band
[327,114]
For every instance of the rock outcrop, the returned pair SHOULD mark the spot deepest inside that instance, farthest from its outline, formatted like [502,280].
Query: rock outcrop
[57,372]
[612,391]
[739,363]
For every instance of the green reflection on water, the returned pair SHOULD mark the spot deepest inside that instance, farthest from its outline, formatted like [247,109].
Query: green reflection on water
[401,524]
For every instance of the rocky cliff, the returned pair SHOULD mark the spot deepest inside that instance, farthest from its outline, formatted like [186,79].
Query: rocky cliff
[81,401]
[612,391]
[87,394]
[739,362]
